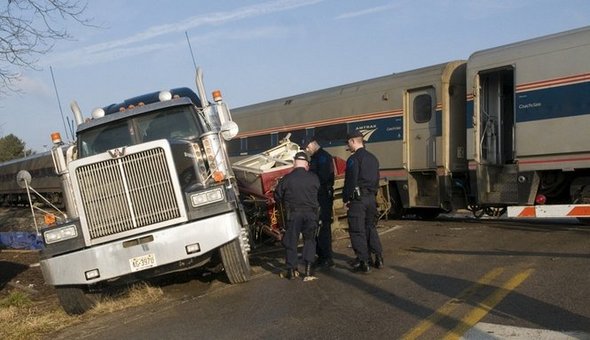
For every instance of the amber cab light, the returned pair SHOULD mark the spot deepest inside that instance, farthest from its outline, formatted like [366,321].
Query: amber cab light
[56,138]
[216,95]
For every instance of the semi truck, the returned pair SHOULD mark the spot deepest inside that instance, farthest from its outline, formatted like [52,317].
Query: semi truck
[148,190]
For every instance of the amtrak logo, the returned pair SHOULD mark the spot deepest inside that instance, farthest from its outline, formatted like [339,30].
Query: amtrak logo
[367,133]
[117,153]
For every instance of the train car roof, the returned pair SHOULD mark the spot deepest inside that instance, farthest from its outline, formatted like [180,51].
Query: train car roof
[24,159]
[313,96]
[520,49]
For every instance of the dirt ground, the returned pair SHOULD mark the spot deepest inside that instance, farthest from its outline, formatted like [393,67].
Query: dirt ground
[19,269]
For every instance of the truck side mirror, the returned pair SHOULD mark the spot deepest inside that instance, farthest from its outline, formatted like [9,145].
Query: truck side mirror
[229,130]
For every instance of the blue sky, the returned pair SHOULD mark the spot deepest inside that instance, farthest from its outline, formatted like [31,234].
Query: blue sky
[256,51]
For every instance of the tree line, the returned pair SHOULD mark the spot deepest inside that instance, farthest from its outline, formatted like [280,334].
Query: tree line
[12,147]
[28,30]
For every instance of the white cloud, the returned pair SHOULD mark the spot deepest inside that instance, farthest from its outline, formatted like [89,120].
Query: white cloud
[33,86]
[120,48]
[368,11]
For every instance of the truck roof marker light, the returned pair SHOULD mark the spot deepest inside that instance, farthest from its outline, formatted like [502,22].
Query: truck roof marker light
[218,176]
[217,95]
[164,95]
[56,138]
[98,113]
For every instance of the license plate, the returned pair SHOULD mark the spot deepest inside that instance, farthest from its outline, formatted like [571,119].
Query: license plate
[142,262]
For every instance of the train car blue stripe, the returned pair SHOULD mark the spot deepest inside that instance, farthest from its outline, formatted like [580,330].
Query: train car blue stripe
[555,102]
[380,130]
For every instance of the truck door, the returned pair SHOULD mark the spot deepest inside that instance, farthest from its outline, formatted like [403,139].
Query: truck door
[421,118]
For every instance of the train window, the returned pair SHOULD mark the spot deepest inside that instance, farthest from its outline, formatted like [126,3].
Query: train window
[297,136]
[422,108]
[331,135]
[244,145]
[258,143]
[234,147]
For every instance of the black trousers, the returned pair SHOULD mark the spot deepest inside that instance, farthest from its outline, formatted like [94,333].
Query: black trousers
[362,219]
[300,222]
[324,239]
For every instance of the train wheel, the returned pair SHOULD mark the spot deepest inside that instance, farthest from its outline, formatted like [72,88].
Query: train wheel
[75,300]
[235,259]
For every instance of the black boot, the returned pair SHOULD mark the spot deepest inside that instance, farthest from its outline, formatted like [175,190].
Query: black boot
[292,274]
[362,267]
[324,263]
[378,261]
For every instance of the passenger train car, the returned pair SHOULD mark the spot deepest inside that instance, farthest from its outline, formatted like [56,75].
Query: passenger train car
[505,128]
[43,179]
[426,105]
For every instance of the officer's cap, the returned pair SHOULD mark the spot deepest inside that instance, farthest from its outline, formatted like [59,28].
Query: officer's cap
[354,134]
[302,156]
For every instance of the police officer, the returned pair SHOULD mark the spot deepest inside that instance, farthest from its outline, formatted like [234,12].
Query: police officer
[322,165]
[298,194]
[361,182]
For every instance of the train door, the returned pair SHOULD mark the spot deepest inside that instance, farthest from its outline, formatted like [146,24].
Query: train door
[421,118]
[420,151]
[497,171]
[496,115]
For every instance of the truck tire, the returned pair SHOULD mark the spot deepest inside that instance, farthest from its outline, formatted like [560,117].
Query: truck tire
[235,259]
[74,300]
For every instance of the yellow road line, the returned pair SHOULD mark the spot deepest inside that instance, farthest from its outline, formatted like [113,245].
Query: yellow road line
[488,304]
[449,306]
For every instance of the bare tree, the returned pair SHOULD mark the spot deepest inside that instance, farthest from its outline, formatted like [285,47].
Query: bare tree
[29,29]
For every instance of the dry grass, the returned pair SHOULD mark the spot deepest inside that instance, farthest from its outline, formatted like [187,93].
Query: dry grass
[21,318]
[32,321]
[137,295]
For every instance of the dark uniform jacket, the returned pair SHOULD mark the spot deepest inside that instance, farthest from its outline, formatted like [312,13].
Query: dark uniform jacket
[298,190]
[362,170]
[322,165]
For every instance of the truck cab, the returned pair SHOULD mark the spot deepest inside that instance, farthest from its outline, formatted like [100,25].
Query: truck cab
[148,190]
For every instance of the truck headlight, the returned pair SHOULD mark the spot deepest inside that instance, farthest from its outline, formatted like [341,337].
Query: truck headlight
[60,234]
[207,197]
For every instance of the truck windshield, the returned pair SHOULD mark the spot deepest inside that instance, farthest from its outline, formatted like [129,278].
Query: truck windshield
[172,123]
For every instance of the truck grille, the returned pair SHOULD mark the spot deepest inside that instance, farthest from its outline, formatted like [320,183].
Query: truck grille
[127,193]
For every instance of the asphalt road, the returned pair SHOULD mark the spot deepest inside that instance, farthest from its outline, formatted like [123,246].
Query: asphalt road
[442,279]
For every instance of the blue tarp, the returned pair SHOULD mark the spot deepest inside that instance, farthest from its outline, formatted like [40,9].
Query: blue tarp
[21,240]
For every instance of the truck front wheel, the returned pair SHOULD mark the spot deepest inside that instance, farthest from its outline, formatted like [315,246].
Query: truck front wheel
[235,259]
[75,300]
